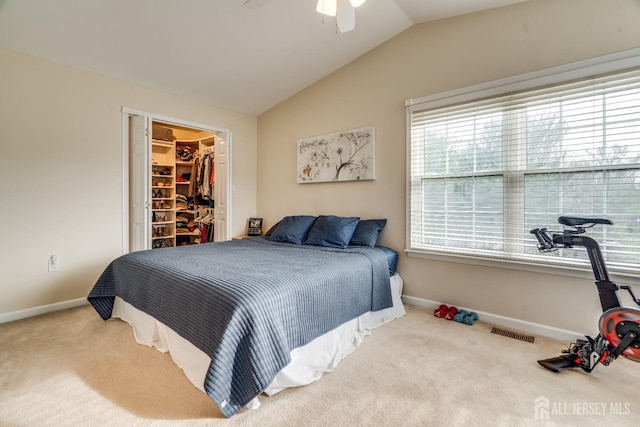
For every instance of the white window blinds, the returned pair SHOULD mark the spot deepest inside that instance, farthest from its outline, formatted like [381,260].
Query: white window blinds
[484,172]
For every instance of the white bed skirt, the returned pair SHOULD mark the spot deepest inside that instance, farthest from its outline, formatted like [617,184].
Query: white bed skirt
[308,362]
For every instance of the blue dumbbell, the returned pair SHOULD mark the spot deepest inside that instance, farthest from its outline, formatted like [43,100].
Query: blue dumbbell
[470,318]
[459,317]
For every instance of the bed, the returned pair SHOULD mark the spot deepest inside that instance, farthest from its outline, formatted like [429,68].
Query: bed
[256,315]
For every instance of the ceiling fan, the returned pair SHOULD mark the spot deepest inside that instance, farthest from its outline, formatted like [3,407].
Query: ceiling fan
[343,10]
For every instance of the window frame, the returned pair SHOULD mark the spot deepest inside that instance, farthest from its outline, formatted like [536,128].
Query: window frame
[551,76]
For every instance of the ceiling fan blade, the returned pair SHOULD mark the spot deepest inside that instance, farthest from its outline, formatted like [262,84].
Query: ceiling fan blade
[346,16]
[326,7]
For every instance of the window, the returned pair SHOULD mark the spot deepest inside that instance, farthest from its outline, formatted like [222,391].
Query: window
[484,170]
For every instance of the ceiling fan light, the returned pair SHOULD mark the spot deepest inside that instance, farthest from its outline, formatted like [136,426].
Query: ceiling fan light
[356,3]
[346,18]
[327,7]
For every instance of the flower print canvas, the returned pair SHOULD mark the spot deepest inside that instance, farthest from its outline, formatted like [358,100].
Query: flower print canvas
[340,156]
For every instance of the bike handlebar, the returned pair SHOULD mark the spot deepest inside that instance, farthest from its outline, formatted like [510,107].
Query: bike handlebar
[548,242]
[545,241]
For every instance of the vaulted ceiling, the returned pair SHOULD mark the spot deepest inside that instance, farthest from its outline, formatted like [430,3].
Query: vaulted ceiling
[244,56]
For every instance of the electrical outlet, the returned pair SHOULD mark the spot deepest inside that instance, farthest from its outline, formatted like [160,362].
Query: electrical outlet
[54,263]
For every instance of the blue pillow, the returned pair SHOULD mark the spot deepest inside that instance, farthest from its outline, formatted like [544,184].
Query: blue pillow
[270,231]
[292,229]
[332,231]
[367,232]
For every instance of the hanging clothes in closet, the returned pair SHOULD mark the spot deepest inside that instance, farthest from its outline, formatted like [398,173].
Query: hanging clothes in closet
[206,222]
[201,192]
[203,177]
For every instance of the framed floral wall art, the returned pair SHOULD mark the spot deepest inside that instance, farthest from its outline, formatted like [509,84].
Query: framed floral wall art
[340,156]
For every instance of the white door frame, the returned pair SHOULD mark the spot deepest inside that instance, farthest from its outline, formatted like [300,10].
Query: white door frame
[128,112]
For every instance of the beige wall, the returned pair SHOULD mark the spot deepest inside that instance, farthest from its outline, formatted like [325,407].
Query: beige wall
[61,169]
[428,59]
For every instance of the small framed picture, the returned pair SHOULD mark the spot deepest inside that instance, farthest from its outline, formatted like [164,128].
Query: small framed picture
[255,227]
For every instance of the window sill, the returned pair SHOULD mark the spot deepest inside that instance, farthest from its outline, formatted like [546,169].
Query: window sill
[558,270]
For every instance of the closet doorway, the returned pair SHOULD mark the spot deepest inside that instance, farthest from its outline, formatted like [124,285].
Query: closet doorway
[176,183]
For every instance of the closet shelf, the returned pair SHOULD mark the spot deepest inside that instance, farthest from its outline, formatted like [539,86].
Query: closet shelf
[162,222]
[171,236]
[187,233]
[192,141]
[161,143]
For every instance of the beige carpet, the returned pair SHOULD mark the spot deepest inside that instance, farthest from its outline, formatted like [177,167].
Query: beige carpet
[72,369]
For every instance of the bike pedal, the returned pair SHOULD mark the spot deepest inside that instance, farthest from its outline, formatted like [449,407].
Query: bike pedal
[560,363]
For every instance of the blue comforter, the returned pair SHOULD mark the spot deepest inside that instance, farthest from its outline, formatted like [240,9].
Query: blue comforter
[247,303]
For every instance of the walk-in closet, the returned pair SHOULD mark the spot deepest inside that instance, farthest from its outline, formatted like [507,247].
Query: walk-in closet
[178,178]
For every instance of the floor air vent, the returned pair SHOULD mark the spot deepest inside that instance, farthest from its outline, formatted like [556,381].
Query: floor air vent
[513,335]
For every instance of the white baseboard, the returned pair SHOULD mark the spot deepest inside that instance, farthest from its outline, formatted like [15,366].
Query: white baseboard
[43,309]
[504,322]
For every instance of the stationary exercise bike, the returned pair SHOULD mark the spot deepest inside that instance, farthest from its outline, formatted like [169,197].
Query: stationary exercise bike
[619,326]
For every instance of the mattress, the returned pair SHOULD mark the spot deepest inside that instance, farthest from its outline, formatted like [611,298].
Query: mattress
[392,258]
[308,363]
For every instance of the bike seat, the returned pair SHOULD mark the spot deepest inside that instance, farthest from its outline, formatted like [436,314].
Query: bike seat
[573,221]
